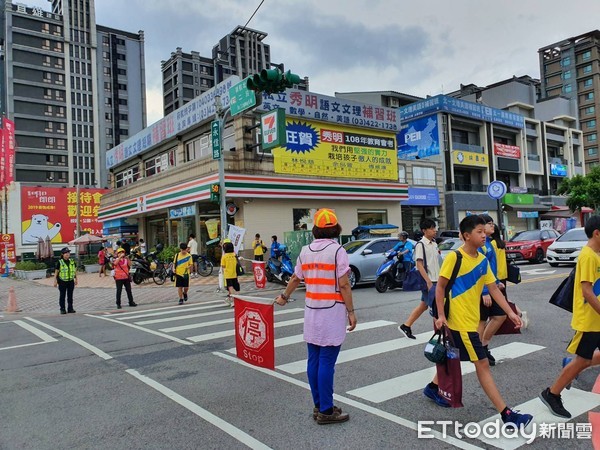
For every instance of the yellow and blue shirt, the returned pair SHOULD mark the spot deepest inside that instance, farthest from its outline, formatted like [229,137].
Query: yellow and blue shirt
[501,261]
[465,295]
[183,264]
[585,318]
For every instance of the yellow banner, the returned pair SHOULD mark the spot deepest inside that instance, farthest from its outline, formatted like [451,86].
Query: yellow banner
[315,148]
[463,158]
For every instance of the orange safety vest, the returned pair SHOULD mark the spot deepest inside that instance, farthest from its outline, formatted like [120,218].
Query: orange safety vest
[320,275]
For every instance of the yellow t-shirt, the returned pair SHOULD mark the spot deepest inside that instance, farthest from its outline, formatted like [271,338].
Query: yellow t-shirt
[500,261]
[585,318]
[258,250]
[183,264]
[465,294]
[229,263]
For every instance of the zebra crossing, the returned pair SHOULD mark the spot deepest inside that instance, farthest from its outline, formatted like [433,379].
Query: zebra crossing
[210,321]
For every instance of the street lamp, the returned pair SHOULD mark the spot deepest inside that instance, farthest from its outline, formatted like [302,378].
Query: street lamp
[221,113]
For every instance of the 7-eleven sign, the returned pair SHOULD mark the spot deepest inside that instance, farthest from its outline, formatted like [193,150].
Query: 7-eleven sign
[272,125]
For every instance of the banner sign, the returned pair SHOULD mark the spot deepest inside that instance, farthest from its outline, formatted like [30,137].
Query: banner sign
[182,211]
[509,151]
[419,139]
[236,234]
[9,150]
[558,170]
[272,129]
[518,199]
[254,331]
[7,247]
[50,211]
[3,159]
[332,150]
[463,158]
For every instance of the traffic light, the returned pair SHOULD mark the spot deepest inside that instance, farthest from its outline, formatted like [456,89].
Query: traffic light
[215,193]
[272,80]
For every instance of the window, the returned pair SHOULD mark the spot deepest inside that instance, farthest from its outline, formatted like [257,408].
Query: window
[159,163]
[127,177]
[106,56]
[592,137]
[121,72]
[566,75]
[424,175]
[589,96]
[48,94]
[590,110]
[590,124]
[47,77]
[106,70]
[123,101]
[198,148]
[587,69]
[586,55]
[567,88]
[588,83]
[108,116]
[402,174]
[566,62]
[372,217]
[46,44]
[48,110]
[592,151]
[108,132]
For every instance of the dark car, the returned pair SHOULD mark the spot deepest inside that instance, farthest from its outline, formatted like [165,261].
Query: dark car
[530,245]
[442,235]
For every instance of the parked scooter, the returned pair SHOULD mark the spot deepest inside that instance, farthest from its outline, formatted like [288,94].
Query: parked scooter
[280,270]
[390,274]
[148,268]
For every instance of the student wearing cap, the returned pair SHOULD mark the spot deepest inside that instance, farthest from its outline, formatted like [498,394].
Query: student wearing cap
[121,267]
[65,277]
[323,265]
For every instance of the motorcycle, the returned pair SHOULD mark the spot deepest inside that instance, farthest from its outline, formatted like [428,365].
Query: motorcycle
[390,274]
[143,269]
[280,270]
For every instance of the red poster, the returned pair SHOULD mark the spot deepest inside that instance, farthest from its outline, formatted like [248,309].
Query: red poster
[2,159]
[508,151]
[50,211]
[7,248]
[9,150]
[254,335]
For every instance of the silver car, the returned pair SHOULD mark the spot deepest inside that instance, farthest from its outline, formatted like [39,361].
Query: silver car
[366,255]
[566,248]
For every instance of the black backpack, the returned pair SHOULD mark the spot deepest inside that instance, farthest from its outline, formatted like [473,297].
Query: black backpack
[563,296]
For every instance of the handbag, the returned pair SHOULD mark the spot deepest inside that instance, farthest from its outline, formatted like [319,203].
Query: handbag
[414,281]
[449,373]
[508,327]
[563,296]
[239,270]
[435,350]
[514,273]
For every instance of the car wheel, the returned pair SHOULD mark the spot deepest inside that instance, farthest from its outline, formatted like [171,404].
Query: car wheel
[553,264]
[539,256]
[353,277]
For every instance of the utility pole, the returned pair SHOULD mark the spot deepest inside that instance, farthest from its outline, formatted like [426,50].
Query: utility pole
[221,113]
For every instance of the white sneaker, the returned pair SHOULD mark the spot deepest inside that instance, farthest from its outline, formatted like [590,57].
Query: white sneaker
[524,320]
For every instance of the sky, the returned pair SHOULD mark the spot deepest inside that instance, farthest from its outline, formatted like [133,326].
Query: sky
[418,48]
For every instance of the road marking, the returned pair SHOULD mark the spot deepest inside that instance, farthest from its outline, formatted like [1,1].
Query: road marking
[209,417]
[39,333]
[538,271]
[414,381]
[162,311]
[216,322]
[352,354]
[226,333]
[355,404]
[576,401]
[194,316]
[81,342]
[147,330]
[551,277]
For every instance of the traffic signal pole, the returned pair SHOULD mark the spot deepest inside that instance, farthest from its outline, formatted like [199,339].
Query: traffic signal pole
[221,114]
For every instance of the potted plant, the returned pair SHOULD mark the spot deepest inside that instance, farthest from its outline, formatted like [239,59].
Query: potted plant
[29,270]
[91,264]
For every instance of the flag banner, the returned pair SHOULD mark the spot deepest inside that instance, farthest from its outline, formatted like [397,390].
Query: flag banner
[254,333]
[9,150]
[236,234]
[3,159]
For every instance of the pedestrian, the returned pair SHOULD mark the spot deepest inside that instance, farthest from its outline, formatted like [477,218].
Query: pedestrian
[426,255]
[126,246]
[102,261]
[193,247]
[229,266]
[65,277]
[259,248]
[463,318]
[275,248]
[585,321]
[183,266]
[323,265]
[143,248]
[491,315]
[121,266]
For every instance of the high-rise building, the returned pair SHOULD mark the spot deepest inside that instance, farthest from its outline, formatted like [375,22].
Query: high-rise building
[74,89]
[571,68]
[187,75]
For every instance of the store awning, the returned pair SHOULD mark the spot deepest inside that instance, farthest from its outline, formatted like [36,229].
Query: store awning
[534,207]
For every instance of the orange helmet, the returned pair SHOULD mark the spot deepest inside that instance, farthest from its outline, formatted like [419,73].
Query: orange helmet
[325,218]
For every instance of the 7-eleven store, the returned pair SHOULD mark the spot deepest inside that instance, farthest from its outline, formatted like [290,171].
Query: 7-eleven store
[268,205]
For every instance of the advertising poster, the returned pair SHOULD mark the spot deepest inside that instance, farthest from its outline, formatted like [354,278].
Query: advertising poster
[419,139]
[9,150]
[7,248]
[507,151]
[52,212]
[336,151]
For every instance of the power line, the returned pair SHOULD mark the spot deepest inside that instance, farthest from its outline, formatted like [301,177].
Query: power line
[255,11]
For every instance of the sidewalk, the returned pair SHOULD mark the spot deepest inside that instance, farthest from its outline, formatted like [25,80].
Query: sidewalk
[97,294]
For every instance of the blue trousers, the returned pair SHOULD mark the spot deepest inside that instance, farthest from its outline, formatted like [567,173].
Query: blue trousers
[320,370]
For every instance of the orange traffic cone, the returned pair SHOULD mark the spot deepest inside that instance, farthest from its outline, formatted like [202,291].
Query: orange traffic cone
[12,307]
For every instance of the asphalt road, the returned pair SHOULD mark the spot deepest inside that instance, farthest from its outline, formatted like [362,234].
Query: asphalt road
[165,377]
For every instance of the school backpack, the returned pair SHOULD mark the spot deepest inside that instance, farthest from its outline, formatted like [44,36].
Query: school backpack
[563,296]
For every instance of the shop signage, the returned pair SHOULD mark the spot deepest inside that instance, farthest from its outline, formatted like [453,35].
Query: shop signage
[422,197]
[231,209]
[334,151]
[272,127]
[182,211]
[509,151]
[462,158]
[558,170]
[518,199]
[7,253]
[496,189]
[518,190]
[527,214]
[419,139]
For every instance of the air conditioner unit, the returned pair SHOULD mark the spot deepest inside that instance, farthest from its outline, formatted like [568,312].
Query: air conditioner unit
[394,102]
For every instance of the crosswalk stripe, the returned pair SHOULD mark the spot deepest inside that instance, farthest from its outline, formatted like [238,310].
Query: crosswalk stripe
[298,338]
[576,402]
[128,315]
[217,322]
[414,381]
[194,316]
[172,310]
[226,333]
[352,354]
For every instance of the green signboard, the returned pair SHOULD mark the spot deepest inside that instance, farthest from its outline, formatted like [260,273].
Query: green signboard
[215,132]
[272,126]
[241,98]
[518,199]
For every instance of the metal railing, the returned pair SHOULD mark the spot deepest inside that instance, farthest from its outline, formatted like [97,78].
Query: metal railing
[464,187]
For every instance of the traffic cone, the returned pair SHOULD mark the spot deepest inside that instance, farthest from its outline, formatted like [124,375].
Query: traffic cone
[12,307]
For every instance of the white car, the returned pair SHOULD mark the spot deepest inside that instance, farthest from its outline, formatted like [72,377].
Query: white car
[449,245]
[566,248]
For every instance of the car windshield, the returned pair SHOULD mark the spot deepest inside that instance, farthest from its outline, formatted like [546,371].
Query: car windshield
[447,233]
[573,236]
[352,246]
[447,245]
[532,235]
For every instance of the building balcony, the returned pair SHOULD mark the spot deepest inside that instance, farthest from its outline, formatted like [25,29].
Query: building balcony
[466,187]
[467,147]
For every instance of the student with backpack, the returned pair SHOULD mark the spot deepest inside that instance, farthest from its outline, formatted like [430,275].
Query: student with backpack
[585,321]
[464,298]
[229,263]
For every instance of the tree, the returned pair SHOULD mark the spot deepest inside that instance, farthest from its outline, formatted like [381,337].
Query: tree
[582,190]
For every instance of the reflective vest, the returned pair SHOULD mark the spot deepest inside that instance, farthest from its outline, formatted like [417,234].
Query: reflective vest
[319,268]
[67,272]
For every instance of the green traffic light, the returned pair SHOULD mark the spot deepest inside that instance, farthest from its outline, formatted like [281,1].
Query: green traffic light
[291,79]
[271,75]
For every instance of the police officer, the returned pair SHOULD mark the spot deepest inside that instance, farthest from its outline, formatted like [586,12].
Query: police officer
[65,274]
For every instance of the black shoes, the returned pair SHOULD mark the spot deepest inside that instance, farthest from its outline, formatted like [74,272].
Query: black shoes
[63,311]
[406,331]
[71,311]
[554,403]
[119,306]
[132,304]
[490,358]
